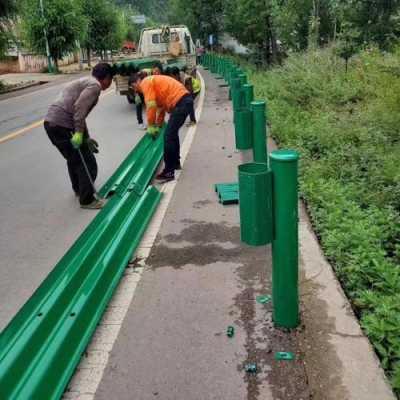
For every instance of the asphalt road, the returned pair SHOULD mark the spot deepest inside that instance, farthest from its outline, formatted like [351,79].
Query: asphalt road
[40,217]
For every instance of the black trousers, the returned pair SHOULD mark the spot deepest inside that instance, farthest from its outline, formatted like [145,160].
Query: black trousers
[139,109]
[171,138]
[60,137]
[192,114]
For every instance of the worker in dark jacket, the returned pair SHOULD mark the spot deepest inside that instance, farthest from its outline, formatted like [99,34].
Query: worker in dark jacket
[65,124]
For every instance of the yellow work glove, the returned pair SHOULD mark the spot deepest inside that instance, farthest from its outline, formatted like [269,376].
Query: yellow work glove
[153,131]
[77,140]
[138,100]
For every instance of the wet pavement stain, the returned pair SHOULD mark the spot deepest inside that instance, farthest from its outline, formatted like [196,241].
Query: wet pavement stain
[287,380]
[201,203]
[205,248]
[198,232]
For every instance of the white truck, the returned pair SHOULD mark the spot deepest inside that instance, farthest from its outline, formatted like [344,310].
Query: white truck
[171,45]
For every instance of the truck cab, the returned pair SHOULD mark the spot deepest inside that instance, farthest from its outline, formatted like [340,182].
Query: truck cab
[168,44]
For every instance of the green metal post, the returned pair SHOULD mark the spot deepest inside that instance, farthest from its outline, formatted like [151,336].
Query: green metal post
[236,95]
[234,75]
[255,204]
[243,79]
[248,92]
[243,129]
[285,292]
[259,132]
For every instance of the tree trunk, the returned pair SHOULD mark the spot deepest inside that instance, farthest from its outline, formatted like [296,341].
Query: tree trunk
[88,57]
[274,46]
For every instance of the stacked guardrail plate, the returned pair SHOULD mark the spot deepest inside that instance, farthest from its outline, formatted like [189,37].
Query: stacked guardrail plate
[42,345]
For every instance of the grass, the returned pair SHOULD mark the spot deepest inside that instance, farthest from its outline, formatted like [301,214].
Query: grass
[347,129]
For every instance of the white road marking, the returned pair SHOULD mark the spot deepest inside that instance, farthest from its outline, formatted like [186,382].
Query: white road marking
[89,372]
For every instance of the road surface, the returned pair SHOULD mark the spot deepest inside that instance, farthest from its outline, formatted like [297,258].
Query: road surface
[40,217]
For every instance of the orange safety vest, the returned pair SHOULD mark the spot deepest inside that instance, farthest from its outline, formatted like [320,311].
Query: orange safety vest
[161,94]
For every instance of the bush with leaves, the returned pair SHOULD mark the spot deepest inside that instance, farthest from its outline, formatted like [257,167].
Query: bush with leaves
[61,20]
[347,129]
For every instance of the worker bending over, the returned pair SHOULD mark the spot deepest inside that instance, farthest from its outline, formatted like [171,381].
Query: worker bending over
[65,124]
[165,94]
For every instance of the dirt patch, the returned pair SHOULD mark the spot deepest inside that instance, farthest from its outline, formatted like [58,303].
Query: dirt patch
[287,379]
[319,354]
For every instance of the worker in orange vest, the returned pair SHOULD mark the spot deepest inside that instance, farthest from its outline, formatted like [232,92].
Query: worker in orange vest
[165,94]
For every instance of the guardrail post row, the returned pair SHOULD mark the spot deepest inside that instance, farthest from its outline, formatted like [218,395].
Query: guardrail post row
[243,79]
[236,95]
[259,132]
[285,293]
[248,93]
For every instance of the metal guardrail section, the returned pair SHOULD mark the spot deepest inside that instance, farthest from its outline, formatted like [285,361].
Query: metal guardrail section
[137,169]
[112,183]
[41,346]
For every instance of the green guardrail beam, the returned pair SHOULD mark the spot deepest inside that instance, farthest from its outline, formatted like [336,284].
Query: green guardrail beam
[42,345]
[136,171]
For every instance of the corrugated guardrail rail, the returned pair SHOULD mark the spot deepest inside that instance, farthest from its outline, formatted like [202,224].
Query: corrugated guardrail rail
[42,345]
[136,171]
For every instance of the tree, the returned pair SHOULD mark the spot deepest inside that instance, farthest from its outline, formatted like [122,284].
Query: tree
[7,9]
[203,17]
[347,45]
[106,26]
[253,23]
[62,22]
[375,19]
[156,10]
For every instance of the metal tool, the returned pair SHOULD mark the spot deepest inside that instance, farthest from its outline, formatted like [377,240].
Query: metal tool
[96,195]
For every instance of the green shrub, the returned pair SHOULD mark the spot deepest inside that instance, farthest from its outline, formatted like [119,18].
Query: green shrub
[347,128]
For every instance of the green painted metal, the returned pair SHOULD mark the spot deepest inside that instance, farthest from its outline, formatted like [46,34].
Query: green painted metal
[228,193]
[243,79]
[42,345]
[123,170]
[141,172]
[259,132]
[129,66]
[236,94]
[226,186]
[179,65]
[248,93]
[255,200]
[243,129]
[136,171]
[229,198]
[285,292]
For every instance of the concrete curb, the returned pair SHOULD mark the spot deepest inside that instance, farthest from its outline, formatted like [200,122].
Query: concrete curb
[26,86]
[339,359]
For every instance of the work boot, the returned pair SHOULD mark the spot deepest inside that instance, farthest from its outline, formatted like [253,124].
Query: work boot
[165,176]
[94,205]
